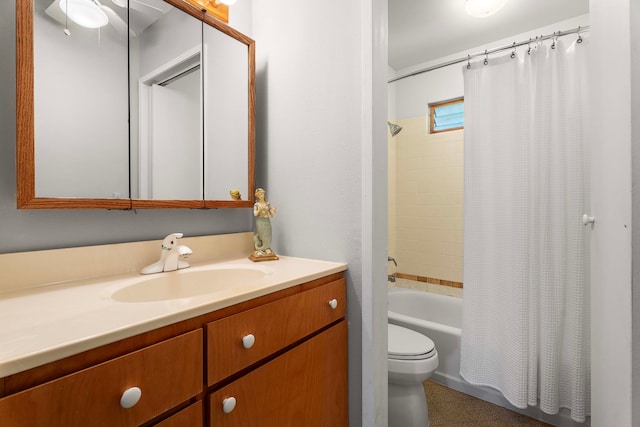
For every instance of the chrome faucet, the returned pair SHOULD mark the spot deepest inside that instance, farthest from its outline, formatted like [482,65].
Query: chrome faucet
[169,256]
[391,277]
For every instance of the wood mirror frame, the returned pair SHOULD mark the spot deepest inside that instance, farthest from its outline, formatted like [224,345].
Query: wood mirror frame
[25,135]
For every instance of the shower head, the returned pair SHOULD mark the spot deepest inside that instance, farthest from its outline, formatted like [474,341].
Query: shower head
[394,129]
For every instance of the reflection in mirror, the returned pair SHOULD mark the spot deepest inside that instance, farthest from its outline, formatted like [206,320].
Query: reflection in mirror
[80,102]
[226,97]
[166,108]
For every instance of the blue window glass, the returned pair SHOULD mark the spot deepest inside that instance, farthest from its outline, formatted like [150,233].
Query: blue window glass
[447,116]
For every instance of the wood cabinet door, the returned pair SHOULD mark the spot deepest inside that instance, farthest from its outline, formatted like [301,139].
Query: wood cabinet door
[306,386]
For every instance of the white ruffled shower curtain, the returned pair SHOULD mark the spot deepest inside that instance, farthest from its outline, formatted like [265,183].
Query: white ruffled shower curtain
[526,251]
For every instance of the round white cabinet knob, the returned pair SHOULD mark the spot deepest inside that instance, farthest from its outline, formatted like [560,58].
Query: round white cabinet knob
[586,219]
[130,397]
[228,404]
[333,303]
[248,341]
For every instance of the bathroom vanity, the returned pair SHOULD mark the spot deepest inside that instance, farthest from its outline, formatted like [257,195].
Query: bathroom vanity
[269,353]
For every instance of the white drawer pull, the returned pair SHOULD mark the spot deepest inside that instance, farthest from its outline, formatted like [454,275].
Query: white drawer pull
[130,397]
[228,404]
[248,341]
[333,303]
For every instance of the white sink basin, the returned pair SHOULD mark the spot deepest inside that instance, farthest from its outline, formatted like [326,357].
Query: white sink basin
[187,283]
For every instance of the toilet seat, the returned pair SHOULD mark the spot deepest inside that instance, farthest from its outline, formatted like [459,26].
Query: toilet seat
[406,344]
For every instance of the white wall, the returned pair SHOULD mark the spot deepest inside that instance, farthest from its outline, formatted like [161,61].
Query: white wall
[322,151]
[635,162]
[241,17]
[611,307]
[413,94]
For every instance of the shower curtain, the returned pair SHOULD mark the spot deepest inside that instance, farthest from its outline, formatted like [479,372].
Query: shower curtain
[526,251]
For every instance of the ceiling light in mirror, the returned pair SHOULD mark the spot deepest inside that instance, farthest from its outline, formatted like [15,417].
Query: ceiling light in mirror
[86,13]
[484,8]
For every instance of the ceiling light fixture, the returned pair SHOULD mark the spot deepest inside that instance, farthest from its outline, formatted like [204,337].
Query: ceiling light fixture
[85,13]
[484,8]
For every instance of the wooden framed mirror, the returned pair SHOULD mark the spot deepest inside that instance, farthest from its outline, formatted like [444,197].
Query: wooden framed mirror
[86,120]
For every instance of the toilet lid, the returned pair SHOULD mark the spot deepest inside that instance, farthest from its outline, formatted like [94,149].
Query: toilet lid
[407,344]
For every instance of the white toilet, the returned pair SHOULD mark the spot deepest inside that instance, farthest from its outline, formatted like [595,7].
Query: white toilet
[412,358]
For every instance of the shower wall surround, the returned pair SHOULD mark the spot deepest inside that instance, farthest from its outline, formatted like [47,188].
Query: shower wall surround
[428,197]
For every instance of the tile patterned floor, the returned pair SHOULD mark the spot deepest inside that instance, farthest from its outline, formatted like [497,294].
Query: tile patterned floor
[450,408]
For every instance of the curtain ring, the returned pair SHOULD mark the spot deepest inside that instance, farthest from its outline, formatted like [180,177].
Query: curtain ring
[529,45]
[486,57]
[579,36]
[468,62]
[513,53]
[553,45]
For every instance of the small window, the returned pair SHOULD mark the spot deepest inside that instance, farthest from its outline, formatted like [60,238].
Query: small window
[446,116]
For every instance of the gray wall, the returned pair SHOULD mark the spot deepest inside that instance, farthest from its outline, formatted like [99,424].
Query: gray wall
[44,229]
[321,120]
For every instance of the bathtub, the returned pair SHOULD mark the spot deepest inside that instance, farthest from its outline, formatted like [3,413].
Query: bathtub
[440,318]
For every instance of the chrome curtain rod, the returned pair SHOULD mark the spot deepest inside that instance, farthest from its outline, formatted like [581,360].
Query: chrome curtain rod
[487,52]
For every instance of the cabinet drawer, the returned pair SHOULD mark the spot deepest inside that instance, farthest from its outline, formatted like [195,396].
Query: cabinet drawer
[168,373]
[273,327]
[306,386]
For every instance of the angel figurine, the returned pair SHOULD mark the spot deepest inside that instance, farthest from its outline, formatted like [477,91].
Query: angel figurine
[263,212]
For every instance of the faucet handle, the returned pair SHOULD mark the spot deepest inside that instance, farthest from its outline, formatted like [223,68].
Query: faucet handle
[170,241]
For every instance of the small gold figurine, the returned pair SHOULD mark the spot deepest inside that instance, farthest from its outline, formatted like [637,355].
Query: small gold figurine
[263,212]
[235,195]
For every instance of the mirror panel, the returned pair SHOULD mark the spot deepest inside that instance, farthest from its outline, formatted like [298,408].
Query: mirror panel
[226,103]
[80,105]
[166,108]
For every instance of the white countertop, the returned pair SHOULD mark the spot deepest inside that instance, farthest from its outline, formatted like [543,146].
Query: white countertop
[48,323]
